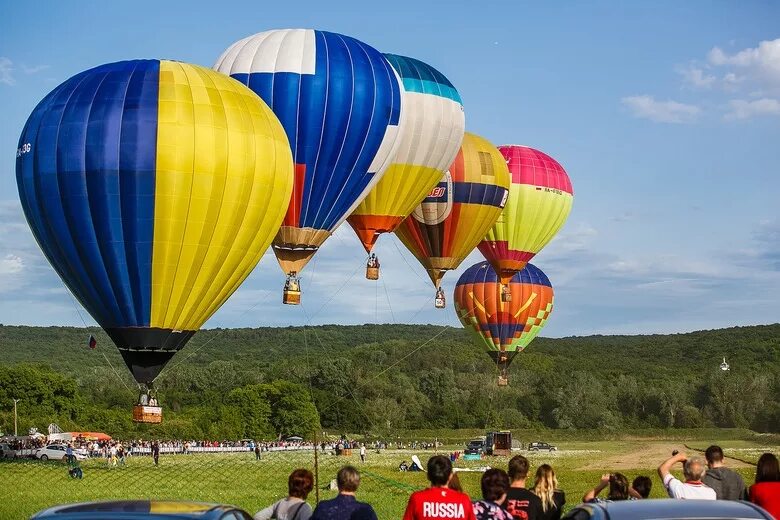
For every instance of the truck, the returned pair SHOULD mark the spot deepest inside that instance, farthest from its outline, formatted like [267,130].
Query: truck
[494,443]
[498,443]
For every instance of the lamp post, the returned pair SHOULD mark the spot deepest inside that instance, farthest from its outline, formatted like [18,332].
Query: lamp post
[15,432]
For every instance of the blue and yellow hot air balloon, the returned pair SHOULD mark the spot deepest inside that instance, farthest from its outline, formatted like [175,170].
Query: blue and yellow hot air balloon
[504,327]
[432,128]
[153,187]
[339,101]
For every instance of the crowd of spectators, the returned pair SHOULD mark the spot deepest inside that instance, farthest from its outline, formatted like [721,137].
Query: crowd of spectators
[508,495]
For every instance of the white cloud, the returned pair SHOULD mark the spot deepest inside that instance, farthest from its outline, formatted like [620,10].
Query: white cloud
[761,62]
[697,77]
[11,264]
[6,71]
[34,69]
[647,107]
[742,109]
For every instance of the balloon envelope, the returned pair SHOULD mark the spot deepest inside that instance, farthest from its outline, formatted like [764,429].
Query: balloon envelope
[339,102]
[498,325]
[540,199]
[153,188]
[432,128]
[456,214]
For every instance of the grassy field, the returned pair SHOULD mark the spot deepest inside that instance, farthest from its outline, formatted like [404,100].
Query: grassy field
[29,486]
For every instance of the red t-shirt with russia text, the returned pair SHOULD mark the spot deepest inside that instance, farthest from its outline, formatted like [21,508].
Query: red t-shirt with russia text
[439,503]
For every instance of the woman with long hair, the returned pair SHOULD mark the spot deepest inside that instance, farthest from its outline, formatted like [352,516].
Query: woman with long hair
[546,488]
[766,491]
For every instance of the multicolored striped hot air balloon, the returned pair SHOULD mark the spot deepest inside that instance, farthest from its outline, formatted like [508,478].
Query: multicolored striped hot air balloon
[503,328]
[450,222]
[339,101]
[432,128]
[153,188]
[540,199]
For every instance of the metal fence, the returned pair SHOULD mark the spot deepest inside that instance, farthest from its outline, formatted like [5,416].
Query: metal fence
[223,475]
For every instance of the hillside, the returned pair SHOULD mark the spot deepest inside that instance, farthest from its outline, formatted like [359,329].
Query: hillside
[384,377]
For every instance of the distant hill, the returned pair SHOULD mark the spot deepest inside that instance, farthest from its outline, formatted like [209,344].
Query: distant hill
[746,348]
[422,376]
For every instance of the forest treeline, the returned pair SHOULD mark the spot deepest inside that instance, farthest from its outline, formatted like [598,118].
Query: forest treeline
[379,379]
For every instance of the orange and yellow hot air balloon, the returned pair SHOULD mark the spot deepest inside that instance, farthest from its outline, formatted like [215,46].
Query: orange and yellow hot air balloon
[504,328]
[432,125]
[450,222]
[540,199]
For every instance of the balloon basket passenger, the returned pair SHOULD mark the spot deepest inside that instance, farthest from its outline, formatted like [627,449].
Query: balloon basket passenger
[292,290]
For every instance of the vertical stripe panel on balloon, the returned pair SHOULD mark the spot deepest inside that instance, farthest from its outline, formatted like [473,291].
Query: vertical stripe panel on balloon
[137,163]
[72,146]
[173,189]
[251,192]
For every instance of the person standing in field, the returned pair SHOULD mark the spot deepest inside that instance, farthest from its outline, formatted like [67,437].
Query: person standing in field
[546,488]
[693,470]
[727,483]
[495,484]
[438,501]
[363,452]
[156,453]
[520,502]
[345,506]
[294,506]
[766,491]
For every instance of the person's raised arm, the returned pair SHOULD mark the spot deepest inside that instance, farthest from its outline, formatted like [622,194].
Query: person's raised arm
[666,466]
[593,493]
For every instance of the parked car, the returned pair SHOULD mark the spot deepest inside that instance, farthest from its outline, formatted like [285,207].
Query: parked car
[475,447]
[6,451]
[541,446]
[142,509]
[666,508]
[55,452]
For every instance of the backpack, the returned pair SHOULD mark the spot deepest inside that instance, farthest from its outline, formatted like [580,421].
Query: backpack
[293,517]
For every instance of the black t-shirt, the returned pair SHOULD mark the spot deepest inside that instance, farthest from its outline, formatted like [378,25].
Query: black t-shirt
[522,504]
[554,513]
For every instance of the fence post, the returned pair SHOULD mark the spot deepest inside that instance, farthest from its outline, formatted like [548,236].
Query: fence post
[316,470]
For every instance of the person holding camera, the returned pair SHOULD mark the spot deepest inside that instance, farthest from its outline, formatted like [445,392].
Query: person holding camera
[618,489]
[694,469]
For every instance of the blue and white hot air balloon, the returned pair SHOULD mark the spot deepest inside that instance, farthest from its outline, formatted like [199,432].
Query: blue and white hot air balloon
[339,101]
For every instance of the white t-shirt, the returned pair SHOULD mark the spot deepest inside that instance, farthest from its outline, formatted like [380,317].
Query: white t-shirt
[689,490]
[362,450]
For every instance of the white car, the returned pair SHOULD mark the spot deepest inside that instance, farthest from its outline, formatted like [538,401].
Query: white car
[55,452]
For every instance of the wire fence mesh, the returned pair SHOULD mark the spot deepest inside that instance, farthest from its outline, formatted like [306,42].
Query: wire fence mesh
[232,476]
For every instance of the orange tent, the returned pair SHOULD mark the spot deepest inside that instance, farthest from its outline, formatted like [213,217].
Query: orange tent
[90,436]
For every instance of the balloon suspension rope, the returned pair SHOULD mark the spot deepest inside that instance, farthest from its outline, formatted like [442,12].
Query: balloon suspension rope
[76,306]
[193,351]
[400,253]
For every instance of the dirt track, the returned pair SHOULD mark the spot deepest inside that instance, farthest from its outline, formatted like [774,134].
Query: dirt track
[651,454]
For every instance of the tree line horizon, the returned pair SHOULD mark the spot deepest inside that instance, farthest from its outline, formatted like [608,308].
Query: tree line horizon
[375,380]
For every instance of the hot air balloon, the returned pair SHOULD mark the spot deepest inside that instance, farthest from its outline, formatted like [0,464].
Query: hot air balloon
[540,199]
[153,188]
[450,222]
[339,101]
[503,328]
[432,127]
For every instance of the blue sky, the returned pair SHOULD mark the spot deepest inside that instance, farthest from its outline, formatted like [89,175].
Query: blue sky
[665,114]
